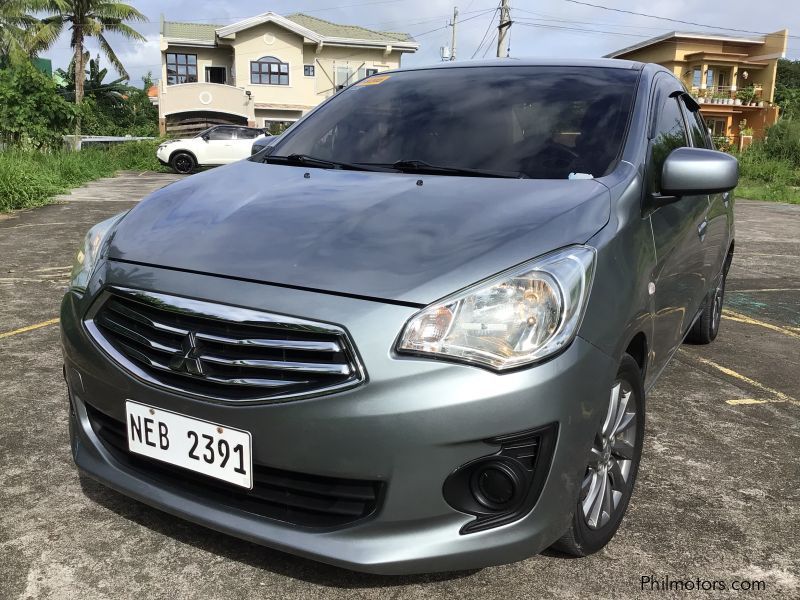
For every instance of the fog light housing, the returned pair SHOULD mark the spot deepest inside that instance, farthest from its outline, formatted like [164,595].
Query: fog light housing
[504,486]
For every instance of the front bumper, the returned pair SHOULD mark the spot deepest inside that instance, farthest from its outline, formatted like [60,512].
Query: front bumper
[410,425]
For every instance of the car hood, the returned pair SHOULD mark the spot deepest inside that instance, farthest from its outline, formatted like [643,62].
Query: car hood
[397,237]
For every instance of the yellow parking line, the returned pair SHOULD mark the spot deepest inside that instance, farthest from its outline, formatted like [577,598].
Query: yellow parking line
[737,401]
[740,318]
[6,334]
[777,394]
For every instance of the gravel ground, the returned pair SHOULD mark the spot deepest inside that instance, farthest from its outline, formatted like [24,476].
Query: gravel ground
[717,496]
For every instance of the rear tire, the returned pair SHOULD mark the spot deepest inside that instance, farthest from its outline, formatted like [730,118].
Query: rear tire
[183,163]
[706,328]
[612,466]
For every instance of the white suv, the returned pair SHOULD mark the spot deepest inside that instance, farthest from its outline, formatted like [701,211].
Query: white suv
[218,145]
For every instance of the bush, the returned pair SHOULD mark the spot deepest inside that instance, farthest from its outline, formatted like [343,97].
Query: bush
[783,141]
[765,177]
[30,178]
[32,112]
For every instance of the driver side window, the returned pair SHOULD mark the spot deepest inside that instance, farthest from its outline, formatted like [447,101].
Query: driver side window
[221,133]
[670,133]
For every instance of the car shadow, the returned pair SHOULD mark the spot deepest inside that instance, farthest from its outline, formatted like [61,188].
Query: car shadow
[245,552]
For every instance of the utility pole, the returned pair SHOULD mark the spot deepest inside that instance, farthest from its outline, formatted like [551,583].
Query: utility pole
[453,25]
[502,28]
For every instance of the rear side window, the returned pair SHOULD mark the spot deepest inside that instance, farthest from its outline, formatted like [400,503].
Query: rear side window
[245,133]
[670,133]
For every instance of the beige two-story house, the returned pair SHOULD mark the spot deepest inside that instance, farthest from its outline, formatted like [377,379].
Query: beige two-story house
[265,71]
[732,77]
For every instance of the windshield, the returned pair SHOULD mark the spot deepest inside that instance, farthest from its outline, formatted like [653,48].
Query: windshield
[542,122]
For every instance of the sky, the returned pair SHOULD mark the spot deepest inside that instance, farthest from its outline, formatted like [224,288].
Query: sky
[542,28]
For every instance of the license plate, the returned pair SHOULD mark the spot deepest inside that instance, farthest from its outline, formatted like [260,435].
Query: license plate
[208,448]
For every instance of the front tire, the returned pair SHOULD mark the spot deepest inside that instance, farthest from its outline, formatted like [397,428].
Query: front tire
[611,469]
[182,163]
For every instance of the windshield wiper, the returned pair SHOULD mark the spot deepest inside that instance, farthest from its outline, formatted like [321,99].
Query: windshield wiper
[420,166]
[305,160]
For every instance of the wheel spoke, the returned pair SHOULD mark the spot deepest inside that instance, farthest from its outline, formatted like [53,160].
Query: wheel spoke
[595,512]
[622,449]
[608,505]
[595,454]
[608,424]
[617,477]
[593,492]
[625,422]
[622,406]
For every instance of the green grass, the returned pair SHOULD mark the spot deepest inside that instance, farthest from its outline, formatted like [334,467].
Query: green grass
[29,178]
[765,176]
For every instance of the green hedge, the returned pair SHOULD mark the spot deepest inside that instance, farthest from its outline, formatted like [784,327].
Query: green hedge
[30,178]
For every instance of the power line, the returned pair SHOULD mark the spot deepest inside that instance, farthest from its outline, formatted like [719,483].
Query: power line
[491,22]
[694,23]
[489,45]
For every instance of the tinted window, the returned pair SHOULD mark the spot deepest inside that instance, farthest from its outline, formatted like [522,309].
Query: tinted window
[545,122]
[670,133]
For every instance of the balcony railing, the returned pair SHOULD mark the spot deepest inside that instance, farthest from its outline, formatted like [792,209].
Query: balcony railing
[731,95]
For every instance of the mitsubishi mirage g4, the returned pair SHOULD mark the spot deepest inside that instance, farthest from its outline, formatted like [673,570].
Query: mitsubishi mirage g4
[418,332]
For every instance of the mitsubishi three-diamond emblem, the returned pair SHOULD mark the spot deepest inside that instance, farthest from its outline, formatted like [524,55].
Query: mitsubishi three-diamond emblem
[187,359]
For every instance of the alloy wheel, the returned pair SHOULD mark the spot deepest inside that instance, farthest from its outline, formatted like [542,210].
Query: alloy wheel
[608,475]
[183,164]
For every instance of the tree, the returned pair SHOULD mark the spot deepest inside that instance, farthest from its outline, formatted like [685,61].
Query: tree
[113,92]
[16,26]
[787,88]
[32,112]
[91,18]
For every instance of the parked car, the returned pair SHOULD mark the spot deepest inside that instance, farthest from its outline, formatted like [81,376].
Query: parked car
[262,142]
[398,346]
[218,145]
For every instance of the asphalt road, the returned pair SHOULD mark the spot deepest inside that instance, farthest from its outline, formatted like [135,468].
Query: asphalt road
[717,496]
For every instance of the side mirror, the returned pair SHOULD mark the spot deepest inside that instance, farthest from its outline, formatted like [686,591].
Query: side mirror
[697,171]
[206,137]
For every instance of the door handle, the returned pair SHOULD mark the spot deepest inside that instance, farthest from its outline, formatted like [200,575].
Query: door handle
[701,229]
[726,198]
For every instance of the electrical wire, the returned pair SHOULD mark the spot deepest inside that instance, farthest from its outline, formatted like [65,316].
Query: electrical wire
[491,22]
[694,23]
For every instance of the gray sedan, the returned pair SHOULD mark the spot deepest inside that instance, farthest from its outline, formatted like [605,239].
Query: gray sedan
[417,333]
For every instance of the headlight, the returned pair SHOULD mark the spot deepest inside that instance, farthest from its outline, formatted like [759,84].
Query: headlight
[513,319]
[94,245]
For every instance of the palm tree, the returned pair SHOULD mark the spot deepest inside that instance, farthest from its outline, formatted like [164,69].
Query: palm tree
[91,18]
[16,28]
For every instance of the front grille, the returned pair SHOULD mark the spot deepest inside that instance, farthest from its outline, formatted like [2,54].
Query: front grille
[221,351]
[296,498]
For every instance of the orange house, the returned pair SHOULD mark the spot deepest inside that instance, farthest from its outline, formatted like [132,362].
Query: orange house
[732,77]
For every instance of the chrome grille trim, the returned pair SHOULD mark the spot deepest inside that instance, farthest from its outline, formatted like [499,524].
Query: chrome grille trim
[240,352]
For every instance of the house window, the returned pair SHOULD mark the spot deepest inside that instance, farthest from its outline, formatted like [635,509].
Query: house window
[277,126]
[181,68]
[371,72]
[215,74]
[308,70]
[268,70]
[697,77]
